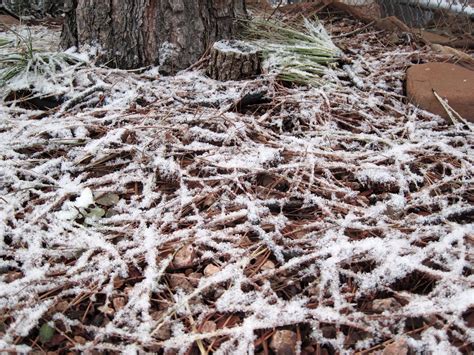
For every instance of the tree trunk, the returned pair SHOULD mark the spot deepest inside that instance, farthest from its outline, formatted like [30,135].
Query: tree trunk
[131,34]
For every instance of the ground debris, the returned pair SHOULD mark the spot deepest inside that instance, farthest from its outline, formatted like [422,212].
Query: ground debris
[302,215]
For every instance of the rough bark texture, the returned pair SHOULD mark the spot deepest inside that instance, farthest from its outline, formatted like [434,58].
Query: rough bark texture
[132,34]
[69,32]
[233,60]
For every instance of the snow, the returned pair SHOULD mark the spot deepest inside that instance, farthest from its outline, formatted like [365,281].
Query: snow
[347,200]
[238,47]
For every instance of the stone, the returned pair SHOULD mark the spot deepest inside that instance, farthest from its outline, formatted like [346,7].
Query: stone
[119,303]
[329,331]
[284,342]
[398,347]
[385,304]
[268,265]
[184,257]
[80,340]
[211,269]
[164,332]
[469,318]
[180,281]
[451,82]
[194,278]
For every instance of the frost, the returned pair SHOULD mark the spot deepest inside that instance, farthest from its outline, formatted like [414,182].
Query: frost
[311,208]
[85,199]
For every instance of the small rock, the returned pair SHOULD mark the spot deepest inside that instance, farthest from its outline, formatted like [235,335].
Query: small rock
[268,265]
[211,269]
[218,292]
[469,318]
[385,304]
[208,327]
[329,332]
[61,306]
[119,303]
[313,290]
[184,257]
[284,342]
[194,278]
[180,281]
[452,82]
[164,332]
[106,310]
[13,276]
[80,340]
[157,315]
[399,347]
[310,350]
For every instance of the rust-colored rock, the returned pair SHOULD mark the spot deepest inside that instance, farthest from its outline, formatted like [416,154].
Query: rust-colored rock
[398,347]
[211,270]
[184,257]
[385,304]
[284,342]
[180,281]
[452,82]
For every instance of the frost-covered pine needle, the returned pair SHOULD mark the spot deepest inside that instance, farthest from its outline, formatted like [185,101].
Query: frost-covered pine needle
[23,67]
[295,54]
[342,215]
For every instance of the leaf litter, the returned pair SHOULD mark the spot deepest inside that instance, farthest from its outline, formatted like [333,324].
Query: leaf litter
[339,217]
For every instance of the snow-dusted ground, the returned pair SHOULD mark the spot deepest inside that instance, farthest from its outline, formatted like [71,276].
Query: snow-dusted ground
[312,209]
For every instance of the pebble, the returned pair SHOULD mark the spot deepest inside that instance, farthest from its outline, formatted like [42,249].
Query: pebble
[180,281]
[211,269]
[283,342]
[385,304]
[119,303]
[184,257]
[398,347]
[268,265]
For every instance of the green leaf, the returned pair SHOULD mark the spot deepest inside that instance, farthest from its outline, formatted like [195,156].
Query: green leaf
[5,42]
[46,333]
[95,212]
[108,199]
[111,212]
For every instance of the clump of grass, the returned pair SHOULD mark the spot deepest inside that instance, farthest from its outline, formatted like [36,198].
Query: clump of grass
[4,42]
[24,59]
[298,54]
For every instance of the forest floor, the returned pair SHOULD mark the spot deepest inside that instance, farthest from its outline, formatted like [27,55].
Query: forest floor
[151,213]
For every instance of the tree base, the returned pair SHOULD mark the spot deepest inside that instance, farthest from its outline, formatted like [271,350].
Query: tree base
[234,60]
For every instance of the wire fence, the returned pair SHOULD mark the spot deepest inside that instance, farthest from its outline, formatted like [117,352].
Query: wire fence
[452,16]
[455,16]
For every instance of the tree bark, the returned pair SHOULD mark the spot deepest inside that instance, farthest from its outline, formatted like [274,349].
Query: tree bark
[131,34]
[233,60]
